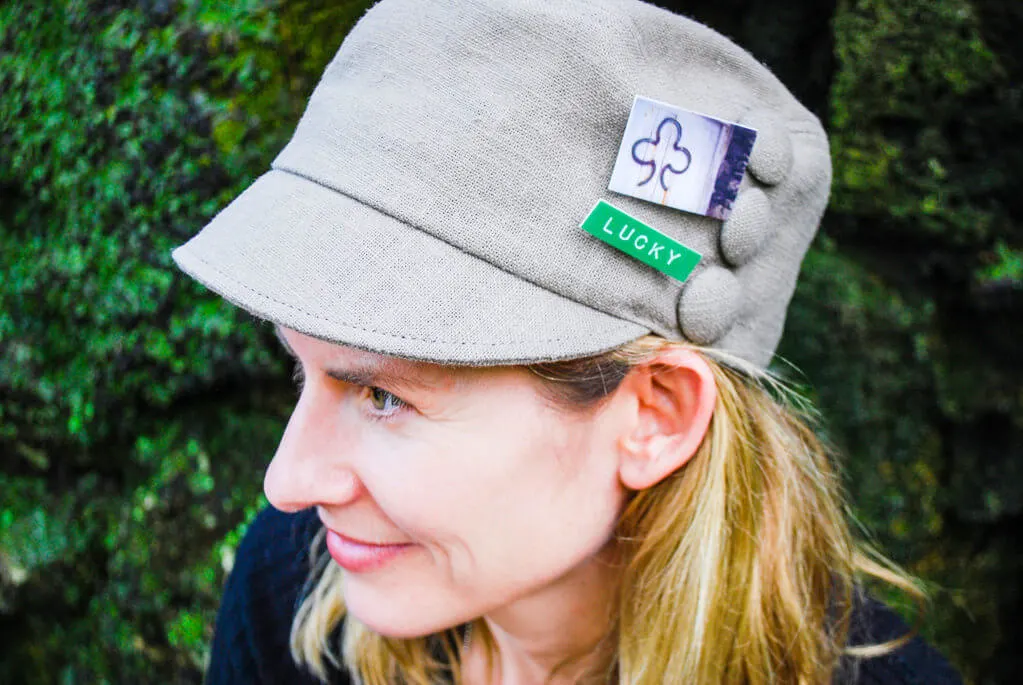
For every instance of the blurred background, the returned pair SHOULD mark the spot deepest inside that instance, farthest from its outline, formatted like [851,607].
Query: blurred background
[137,411]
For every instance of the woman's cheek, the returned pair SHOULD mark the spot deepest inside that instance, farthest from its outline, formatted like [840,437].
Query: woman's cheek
[414,477]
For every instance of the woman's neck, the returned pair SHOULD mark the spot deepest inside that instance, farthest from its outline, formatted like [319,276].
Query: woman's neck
[550,636]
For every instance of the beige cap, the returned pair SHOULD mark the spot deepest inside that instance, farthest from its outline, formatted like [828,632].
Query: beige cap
[430,201]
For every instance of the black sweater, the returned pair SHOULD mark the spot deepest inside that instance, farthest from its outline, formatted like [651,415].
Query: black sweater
[250,644]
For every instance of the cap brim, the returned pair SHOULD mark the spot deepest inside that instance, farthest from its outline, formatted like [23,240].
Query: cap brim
[312,259]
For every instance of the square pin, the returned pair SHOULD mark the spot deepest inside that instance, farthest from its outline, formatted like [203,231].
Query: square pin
[678,158]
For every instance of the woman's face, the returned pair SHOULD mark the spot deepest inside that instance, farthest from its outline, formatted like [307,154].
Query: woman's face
[473,490]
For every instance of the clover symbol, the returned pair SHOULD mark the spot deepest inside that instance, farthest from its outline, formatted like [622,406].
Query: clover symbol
[671,157]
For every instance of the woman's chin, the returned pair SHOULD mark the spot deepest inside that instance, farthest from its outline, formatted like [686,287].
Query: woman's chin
[393,618]
[399,629]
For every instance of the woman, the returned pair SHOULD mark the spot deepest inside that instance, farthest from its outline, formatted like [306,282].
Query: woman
[532,260]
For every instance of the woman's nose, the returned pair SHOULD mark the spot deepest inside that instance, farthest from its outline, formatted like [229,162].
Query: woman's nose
[309,468]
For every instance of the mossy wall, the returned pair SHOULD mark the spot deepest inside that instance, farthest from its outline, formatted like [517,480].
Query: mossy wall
[137,411]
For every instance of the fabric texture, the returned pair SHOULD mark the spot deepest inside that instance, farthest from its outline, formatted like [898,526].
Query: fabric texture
[250,644]
[428,205]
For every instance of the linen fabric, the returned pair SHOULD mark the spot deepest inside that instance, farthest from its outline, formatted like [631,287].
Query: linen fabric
[428,205]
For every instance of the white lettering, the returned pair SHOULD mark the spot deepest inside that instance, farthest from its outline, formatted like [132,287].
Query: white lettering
[608,223]
[644,239]
[621,233]
[674,256]
[655,251]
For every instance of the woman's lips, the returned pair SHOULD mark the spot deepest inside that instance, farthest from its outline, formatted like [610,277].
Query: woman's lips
[357,556]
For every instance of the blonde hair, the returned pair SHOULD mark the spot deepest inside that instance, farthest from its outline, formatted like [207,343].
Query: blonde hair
[739,568]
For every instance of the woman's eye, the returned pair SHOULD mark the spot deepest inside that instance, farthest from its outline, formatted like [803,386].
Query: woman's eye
[384,402]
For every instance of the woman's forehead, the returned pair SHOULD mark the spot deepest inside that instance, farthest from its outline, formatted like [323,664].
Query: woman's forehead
[361,367]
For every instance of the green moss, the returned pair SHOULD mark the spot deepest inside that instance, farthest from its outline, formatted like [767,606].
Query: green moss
[139,411]
[139,408]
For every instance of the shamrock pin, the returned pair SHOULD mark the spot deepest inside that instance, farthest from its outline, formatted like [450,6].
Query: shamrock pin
[644,152]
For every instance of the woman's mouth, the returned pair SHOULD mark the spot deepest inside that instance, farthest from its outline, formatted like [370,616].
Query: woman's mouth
[357,556]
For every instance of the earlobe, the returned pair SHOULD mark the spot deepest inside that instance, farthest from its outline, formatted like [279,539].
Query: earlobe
[673,397]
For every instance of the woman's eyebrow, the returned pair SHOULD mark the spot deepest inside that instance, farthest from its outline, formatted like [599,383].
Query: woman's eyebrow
[369,374]
[372,376]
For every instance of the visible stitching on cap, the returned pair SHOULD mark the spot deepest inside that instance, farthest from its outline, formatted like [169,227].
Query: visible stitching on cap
[369,330]
[637,35]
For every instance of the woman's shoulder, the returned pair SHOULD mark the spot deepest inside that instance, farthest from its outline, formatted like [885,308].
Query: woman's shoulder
[262,593]
[914,663]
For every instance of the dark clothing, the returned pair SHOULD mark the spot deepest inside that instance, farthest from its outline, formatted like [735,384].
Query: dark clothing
[250,644]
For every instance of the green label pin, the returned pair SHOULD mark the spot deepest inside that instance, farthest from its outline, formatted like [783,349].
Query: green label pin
[636,239]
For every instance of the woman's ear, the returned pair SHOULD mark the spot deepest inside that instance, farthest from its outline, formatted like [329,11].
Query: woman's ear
[673,398]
